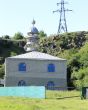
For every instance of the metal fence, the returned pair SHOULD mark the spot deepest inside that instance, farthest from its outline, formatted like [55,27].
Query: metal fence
[60,88]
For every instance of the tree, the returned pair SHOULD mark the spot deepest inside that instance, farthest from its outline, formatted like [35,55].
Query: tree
[80,78]
[13,53]
[42,34]
[2,71]
[6,37]
[18,36]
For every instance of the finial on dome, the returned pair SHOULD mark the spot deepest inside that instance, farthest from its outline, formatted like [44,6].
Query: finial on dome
[33,22]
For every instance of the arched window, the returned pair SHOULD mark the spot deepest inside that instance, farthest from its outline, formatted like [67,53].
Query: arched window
[51,68]
[50,85]
[22,67]
[21,83]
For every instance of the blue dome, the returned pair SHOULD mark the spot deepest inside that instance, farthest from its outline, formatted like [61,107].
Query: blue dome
[34,30]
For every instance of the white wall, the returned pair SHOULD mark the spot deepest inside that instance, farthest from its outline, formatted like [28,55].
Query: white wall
[35,68]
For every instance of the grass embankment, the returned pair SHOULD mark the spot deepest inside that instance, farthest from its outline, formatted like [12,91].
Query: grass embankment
[55,100]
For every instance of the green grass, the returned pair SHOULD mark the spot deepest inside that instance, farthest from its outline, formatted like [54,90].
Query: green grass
[55,100]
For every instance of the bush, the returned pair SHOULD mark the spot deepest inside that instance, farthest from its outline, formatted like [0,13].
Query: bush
[2,71]
[80,78]
[18,36]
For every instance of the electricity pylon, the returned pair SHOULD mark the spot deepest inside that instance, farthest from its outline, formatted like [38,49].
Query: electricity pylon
[62,21]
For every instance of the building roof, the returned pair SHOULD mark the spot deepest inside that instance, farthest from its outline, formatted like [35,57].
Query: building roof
[37,56]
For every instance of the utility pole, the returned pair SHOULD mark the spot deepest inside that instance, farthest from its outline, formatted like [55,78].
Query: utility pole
[62,21]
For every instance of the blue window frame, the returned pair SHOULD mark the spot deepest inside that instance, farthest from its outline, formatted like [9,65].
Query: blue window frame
[51,68]
[21,83]
[22,67]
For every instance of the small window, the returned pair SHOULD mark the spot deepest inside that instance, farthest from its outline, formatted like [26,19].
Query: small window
[51,68]
[50,85]
[22,67]
[21,83]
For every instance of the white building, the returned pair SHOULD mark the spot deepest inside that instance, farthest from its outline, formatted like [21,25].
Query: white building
[35,68]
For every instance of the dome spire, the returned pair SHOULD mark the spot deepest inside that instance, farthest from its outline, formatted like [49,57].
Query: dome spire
[32,39]
[33,22]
